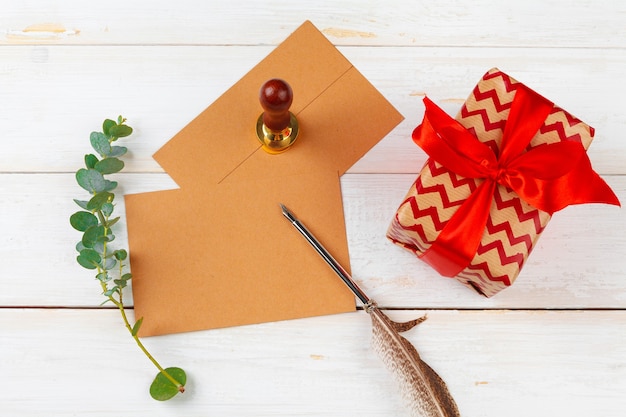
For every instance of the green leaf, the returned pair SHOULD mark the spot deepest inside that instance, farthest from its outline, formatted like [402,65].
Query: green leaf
[110,237]
[88,258]
[109,185]
[110,292]
[108,264]
[127,277]
[109,166]
[83,220]
[80,246]
[106,125]
[120,283]
[91,180]
[136,327]
[81,203]
[162,388]
[113,221]
[100,143]
[117,151]
[120,254]
[103,276]
[107,209]
[91,236]
[98,247]
[120,131]
[91,160]
[99,199]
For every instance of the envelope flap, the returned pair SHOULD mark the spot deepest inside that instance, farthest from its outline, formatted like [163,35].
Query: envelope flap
[223,136]
[336,130]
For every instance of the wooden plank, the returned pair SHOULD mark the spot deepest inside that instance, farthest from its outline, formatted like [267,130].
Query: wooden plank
[533,23]
[69,362]
[576,263]
[58,94]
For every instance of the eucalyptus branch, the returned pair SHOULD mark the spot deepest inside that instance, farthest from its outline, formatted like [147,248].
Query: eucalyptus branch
[94,252]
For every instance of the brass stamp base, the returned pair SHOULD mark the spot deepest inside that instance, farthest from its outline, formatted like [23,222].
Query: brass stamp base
[277,142]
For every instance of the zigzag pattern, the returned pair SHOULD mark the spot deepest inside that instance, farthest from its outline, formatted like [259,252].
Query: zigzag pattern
[418,213]
[522,216]
[559,128]
[506,228]
[396,233]
[499,247]
[508,83]
[485,272]
[482,113]
[457,181]
[571,120]
[491,94]
[437,189]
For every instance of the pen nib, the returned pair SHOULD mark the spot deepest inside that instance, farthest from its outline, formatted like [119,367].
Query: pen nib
[288,214]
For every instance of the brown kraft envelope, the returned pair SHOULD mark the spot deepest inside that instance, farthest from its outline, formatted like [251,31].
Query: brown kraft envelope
[217,252]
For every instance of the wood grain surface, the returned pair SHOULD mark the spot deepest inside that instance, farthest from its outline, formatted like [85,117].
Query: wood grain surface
[552,344]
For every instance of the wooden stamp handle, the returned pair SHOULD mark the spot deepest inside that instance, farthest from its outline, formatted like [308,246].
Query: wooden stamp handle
[276,97]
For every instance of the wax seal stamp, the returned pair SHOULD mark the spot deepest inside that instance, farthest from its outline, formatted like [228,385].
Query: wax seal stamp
[276,127]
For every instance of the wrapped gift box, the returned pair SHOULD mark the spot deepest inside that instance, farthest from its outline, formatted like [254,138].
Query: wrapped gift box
[465,218]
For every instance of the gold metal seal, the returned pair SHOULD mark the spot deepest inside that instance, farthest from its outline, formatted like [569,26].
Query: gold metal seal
[275,142]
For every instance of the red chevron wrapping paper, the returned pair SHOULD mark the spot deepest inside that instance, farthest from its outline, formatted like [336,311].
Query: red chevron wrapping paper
[513,226]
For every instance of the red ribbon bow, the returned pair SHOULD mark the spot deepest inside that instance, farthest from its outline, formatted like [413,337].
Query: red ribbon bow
[548,177]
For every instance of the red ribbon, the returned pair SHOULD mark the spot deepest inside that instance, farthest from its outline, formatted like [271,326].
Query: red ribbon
[548,177]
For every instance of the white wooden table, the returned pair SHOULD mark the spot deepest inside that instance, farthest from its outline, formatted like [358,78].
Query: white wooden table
[552,344]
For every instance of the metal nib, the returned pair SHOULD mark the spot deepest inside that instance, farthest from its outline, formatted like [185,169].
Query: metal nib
[288,214]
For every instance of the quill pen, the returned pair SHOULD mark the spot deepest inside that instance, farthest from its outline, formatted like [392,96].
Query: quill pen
[426,393]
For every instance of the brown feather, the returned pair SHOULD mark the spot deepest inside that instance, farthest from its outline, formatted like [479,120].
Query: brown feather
[426,393]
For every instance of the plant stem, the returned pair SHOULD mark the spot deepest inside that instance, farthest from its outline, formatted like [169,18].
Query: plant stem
[120,305]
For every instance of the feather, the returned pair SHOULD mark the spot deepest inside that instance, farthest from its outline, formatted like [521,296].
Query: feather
[426,393]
